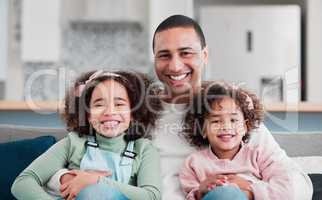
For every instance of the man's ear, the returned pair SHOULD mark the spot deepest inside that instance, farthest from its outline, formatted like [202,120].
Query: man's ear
[205,54]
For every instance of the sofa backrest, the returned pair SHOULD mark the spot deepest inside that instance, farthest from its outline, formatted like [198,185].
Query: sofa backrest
[10,133]
[300,144]
[295,144]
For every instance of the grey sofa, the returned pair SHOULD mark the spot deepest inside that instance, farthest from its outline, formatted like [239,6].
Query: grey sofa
[305,148]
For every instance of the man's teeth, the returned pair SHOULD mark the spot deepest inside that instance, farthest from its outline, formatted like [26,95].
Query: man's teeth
[180,77]
[111,124]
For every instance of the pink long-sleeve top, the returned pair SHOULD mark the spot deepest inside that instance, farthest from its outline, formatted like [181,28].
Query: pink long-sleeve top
[262,164]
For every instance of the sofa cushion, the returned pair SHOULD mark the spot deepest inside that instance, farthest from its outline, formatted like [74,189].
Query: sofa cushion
[300,144]
[16,156]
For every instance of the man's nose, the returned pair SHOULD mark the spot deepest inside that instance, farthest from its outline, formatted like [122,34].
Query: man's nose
[176,64]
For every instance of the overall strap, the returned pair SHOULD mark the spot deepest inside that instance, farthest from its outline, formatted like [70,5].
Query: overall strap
[91,142]
[128,155]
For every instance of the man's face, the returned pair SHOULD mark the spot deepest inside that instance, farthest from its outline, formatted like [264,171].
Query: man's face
[179,60]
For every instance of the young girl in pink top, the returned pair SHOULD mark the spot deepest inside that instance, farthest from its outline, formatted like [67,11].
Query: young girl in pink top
[222,119]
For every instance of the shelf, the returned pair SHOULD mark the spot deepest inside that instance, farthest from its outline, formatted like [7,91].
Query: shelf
[28,106]
[294,107]
[56,106]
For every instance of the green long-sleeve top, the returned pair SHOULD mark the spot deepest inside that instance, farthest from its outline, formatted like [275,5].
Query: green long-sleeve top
[145,181]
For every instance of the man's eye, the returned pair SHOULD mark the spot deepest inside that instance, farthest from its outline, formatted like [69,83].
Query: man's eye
[215,121]
[186,53]
[163,56]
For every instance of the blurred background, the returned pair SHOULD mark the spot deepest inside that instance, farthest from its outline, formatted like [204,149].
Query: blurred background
[273,47]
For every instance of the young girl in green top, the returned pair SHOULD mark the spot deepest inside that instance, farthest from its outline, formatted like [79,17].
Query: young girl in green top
[107,150]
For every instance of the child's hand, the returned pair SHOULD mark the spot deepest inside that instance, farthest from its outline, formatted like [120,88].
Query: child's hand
[210,183]
[242,183]
[70,189]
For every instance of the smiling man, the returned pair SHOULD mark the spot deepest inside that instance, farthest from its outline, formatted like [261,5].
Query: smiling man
[181,54]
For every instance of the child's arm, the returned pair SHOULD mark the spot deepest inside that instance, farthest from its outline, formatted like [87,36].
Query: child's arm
[196,186]
[148,178]
[29,184]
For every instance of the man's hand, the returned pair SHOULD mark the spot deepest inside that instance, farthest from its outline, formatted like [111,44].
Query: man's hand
[76,180]
[210,183]
[67,177]
[242,183]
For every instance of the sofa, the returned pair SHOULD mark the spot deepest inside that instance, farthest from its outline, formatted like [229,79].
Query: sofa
[19,145]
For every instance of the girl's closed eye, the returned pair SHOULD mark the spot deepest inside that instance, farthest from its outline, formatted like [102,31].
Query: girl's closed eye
[215,121]
[119,104]
[98,104]
[233,120]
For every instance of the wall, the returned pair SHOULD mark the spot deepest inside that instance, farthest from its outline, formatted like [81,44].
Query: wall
[90,37]
[4,5]
[199,3]
[159,10]
[41,36]
[15,68]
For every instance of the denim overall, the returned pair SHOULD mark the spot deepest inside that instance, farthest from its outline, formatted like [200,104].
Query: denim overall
[120,165]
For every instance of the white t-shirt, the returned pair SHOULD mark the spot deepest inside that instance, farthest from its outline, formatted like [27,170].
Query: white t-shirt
[173,148]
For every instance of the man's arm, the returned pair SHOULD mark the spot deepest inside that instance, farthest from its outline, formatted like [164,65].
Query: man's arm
[280,173]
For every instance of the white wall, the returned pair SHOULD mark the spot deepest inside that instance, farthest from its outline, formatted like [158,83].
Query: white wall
[161,9]
[14,76]
[41,30]
[111,10]
[314,50]
[72,9]
[3,38]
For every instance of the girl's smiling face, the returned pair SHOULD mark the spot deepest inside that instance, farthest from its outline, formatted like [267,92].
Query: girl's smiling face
[110,109]
[225,127]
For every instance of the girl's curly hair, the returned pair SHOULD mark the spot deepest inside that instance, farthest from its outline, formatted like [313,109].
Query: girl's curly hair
[145,106]
[211,92]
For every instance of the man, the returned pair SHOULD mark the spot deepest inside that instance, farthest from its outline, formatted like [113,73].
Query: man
[180,57]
